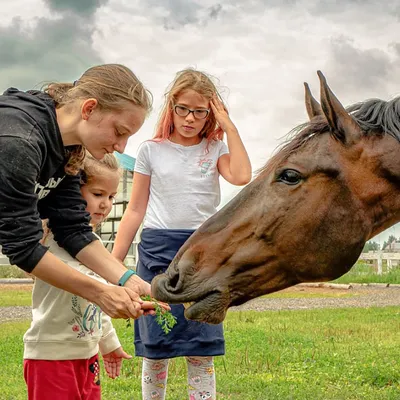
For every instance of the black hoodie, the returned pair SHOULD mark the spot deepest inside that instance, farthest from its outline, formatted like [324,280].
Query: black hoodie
[33,184]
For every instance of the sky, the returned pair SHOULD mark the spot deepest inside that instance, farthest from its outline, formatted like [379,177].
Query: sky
[260,52]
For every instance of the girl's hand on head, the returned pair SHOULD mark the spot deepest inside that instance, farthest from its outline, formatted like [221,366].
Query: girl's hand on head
[221,114]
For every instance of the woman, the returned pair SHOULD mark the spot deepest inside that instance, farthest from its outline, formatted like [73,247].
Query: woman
[42,138]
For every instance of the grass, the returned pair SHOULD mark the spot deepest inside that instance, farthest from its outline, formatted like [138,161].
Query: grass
[11,297]
[11,271]
[348,354]
[365,273]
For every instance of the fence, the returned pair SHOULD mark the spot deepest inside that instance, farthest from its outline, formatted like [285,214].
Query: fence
[392,259]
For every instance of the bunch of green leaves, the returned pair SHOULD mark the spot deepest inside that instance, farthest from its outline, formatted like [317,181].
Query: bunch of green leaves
[164,317]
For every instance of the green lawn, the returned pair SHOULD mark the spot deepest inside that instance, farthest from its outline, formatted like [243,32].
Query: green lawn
[10,297]
[340,354]
[288,355]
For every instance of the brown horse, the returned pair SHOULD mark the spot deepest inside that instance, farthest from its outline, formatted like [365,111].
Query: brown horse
[304,218]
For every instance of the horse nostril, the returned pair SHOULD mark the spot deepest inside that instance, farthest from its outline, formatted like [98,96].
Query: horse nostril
[174,279]
[177,274]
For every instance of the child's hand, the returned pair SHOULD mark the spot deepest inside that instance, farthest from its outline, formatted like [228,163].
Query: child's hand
[113,362]
[221,115]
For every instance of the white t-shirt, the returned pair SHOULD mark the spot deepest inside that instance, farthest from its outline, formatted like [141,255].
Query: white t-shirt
[184,186]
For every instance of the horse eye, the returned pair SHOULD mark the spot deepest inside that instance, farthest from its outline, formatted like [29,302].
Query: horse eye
[289,176]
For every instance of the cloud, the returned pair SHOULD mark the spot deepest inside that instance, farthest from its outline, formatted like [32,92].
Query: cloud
[79,7]
[260,50]
[370,68]
[58,48]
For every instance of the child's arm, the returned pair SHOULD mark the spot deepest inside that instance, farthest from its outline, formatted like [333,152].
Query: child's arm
[235,167]
[133,215]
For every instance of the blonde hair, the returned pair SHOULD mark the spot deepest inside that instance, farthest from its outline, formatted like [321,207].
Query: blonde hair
[92,167]
[201,83]
[112,85]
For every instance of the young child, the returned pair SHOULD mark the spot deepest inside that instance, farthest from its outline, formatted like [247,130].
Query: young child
[176,188]
[42,136]
[67,331]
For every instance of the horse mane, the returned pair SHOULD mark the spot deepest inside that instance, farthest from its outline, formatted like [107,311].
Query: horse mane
[374,116]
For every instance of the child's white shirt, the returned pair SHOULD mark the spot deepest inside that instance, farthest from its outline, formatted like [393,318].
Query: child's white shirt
[184,186]
[65,326]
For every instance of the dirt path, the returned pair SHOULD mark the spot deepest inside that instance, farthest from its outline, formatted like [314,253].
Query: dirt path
[296,300]
[326,298]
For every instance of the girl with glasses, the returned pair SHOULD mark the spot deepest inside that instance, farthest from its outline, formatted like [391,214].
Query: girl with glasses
[175,189]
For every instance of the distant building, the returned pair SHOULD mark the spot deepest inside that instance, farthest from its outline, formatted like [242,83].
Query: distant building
[393,247]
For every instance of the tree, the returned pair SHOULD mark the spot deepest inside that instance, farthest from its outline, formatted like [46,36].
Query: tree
[370,246]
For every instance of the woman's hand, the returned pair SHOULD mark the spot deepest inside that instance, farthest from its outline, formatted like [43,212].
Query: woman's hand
[120,302]
[138,285]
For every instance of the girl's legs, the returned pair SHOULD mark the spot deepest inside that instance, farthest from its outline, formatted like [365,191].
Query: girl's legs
[201,378]
[154,379]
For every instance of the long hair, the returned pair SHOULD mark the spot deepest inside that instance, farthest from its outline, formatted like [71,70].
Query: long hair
[201,83]
[112,85]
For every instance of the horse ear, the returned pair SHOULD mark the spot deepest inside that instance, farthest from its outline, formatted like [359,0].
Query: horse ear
[342,124]
[312,106]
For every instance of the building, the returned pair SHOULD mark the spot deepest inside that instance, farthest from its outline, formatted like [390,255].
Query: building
[393,247]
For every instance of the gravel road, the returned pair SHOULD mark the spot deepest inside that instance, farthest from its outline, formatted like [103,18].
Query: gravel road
[337,298]
[323,298]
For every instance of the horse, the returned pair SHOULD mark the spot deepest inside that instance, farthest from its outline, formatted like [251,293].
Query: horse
[305,217]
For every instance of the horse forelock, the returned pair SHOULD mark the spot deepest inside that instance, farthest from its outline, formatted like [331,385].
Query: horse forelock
[375,117]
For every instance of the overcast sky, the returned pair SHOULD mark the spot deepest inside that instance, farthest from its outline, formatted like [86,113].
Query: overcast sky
[260,50]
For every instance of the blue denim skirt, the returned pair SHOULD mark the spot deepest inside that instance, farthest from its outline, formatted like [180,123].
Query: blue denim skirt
[156,250]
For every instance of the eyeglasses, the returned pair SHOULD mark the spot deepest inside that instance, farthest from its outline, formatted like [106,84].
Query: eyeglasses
[183,111]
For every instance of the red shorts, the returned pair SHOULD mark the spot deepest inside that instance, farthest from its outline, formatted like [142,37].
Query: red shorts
[63,380]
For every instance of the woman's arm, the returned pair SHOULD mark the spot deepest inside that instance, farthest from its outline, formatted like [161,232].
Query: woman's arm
[133,215]
[117,302]
[97,258]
